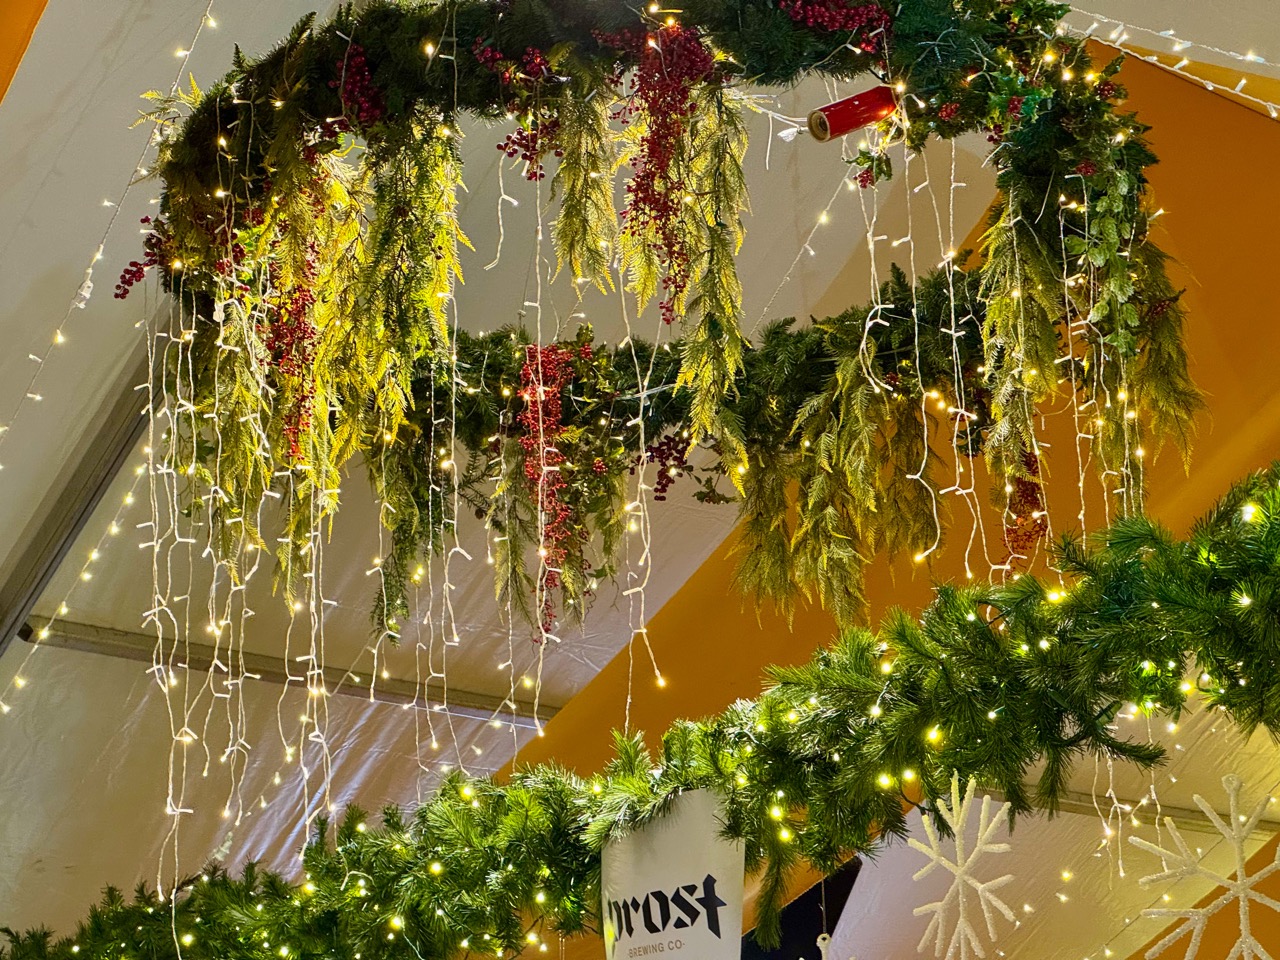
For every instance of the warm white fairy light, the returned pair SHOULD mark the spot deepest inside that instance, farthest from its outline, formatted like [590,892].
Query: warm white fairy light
[1119,37]
[84,291]
[22,678]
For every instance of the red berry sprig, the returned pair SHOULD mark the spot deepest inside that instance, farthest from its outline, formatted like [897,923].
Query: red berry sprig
[672,61]
[532,144]
[543,377]
[669,454]
[869,22]
[155,251]
[363,104]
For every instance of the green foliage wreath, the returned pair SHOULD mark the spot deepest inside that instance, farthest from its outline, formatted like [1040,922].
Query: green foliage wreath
[992,682]
[309,223]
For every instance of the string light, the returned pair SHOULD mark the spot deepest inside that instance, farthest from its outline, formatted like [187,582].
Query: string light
[85,289]
[1119,36]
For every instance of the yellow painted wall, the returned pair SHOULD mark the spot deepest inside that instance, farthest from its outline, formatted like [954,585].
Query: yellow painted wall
[1215,180]
[18,19]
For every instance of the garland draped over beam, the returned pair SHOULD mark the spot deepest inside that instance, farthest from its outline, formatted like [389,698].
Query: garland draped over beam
[309,224]
[991,682]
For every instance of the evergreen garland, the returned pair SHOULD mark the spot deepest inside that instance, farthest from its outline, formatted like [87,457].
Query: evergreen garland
[991,682]
[308,222]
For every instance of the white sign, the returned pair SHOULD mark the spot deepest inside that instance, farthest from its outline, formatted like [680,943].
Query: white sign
[673,889]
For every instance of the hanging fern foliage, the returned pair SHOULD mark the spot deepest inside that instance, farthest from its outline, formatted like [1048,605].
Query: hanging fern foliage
[309,224]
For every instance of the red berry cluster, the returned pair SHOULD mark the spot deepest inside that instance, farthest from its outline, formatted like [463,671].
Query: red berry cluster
[869,21]
[1015,106]
[1086,168]
[948,111]
[136,271]
[487,56]
[1106,89]
[1029,523]
[672,61]
[535,65]
[543,377]
[291,341]
[866,178]
[669,454]
[363,104]
[532,144]
[995,133]
[226,265]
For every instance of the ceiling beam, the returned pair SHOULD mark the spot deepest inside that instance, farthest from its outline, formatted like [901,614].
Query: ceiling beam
[125,645]
[1189,820]
[100,454]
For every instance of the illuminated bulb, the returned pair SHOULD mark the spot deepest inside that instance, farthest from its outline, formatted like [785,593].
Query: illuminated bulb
[876,710]
[991,714]
[397,922]
[884,780]
[430,48]
[662,681]
[187,939]
[822,217]
[19,682]
[775,812]
[1066,875]
[1248,512]
[934,735]
[784,835]
[908,775]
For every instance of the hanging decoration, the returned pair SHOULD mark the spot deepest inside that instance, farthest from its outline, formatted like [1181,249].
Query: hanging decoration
[852,113]
[823,765]
[1241,888]
[309,226]
[951,918]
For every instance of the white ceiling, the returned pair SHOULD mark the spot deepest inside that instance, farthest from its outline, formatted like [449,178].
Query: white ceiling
[85,747]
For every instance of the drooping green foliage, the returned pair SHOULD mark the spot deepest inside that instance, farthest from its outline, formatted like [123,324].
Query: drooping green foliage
[309,224]
[1010,685]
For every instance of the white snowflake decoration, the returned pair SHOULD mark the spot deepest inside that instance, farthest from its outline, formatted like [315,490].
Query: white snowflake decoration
[1240,889]
[951,924]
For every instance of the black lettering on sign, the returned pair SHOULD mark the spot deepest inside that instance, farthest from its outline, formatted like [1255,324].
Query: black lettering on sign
[654,910]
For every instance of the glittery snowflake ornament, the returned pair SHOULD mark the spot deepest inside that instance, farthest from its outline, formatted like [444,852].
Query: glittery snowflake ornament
[951,924]
[1240,887]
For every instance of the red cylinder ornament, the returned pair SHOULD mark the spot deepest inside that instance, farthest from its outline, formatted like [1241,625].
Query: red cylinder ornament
[852,113]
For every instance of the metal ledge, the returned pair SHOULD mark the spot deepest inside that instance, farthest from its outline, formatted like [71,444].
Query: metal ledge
[125,645]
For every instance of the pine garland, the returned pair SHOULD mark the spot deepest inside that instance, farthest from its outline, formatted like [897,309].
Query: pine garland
[991,682]
[308,222]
